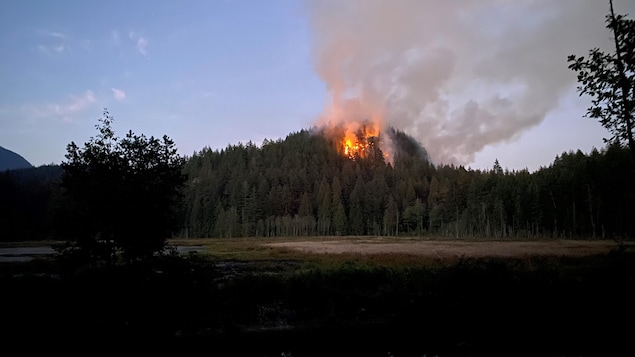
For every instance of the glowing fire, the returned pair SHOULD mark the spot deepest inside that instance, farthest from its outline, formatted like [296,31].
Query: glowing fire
[358,143]
[355,140]
[354,126]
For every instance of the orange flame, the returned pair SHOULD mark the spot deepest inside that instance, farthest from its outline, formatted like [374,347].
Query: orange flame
[354,126]
[358,143]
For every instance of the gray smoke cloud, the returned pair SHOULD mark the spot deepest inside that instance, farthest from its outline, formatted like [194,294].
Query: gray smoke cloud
[457,75]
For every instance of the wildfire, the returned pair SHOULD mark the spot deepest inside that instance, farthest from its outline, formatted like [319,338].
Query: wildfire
[354,126]
[358,143]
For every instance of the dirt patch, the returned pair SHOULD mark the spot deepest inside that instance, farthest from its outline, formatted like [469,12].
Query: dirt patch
[448,249]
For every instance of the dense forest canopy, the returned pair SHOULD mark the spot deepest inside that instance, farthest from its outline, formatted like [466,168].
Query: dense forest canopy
[28,201]
[304,186]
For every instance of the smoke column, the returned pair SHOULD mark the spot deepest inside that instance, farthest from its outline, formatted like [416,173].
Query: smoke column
[457,75]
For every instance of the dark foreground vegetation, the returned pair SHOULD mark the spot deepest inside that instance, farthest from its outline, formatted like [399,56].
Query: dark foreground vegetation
[539,306]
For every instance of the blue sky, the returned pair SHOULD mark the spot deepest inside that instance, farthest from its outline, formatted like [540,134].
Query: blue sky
[205,73]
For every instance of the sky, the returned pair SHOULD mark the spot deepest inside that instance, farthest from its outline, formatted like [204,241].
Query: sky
[472,83]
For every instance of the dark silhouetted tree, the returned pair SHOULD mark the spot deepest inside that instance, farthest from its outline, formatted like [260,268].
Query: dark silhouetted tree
[123,193]
[610,79]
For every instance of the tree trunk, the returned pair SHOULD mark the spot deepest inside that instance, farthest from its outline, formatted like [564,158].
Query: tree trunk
[624,83]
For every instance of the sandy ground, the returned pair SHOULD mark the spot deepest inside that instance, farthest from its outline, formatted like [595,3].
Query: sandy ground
[448,249]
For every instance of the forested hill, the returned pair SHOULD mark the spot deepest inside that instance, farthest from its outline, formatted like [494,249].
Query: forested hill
[303,186]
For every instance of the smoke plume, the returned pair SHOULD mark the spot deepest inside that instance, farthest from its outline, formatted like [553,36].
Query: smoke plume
[457,75]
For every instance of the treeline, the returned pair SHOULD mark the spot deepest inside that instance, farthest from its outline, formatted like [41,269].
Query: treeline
[302,186]
[29,200]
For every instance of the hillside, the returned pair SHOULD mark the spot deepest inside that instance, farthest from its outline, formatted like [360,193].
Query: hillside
[309,184]
[9,160]
[306,185]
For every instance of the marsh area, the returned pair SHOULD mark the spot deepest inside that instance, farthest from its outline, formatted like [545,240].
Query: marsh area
[258,297]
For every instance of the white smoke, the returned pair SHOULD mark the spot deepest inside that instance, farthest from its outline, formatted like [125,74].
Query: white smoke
[457,75]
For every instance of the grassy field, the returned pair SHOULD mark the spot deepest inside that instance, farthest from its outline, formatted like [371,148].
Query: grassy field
[392,251]
[249,297]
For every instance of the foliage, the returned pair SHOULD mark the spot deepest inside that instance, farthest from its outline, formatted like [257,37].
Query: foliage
[302,186]
[122,194]
[27,203]
[610,79]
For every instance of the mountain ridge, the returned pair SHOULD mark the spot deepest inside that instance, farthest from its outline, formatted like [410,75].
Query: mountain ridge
[10,160]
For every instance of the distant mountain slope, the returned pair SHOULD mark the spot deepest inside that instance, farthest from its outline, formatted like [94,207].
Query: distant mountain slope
[11,161]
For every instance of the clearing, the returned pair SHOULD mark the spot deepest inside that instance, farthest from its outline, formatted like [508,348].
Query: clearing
[453,249]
